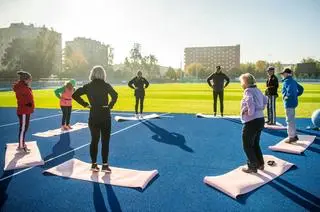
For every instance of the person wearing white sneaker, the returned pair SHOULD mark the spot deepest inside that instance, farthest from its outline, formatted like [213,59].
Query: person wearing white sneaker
[25,105]
[98,92]
[64,94]
[139,84]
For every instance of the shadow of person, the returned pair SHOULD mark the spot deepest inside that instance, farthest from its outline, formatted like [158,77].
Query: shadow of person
[4,183]
[98,199]
[170,138]
[61,152]
[296,194]
[3,187]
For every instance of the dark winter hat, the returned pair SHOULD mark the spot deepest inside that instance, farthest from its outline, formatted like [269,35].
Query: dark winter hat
[24,75]
[286,70]
[270,68]
[218,67]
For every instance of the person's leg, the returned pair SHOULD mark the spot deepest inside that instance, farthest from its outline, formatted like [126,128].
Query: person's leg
[215,97]
[221,102]
[141,104]
[137,104]
[105,134]
[269,109]
[248,135]
[95,137]
[105,138]
[64,115]
[257,149]
[291,125]
[274,119]
[68,115]
[24,120]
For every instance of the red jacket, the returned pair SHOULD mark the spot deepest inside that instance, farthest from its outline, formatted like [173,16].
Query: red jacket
[24,98]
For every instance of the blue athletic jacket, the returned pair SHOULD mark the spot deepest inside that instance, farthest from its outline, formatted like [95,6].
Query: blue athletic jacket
[290,92]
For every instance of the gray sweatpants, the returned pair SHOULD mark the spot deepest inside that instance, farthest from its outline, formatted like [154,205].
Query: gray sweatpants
[291,124]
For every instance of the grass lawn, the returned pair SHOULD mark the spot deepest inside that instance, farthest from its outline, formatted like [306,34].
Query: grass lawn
[179,98]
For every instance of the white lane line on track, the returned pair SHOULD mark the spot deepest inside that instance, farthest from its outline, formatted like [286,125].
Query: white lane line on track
[36,119]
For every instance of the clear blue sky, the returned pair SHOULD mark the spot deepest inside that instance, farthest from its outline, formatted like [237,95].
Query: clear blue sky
[285,30]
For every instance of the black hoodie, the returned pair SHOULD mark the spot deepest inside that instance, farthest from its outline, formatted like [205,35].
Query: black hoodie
[97,92]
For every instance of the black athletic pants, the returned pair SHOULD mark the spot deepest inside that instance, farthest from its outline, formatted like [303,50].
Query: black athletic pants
[141,100]
[103,130]
[215,98]
[66,115]
[251,132]
[24,120]
[271,109]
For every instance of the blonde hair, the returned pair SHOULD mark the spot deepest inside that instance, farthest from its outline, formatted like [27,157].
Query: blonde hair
[98,72]
[248,79]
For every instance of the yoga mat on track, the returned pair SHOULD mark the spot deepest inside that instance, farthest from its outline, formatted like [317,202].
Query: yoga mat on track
[237,182]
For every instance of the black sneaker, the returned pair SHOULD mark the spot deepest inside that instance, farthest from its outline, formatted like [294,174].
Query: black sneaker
[215,114]
[292,140]
[24,150]
[94,167]
[249,170]
[221,114]
[105,168]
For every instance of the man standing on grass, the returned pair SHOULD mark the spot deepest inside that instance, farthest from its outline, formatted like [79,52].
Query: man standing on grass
[218,86]
[290,92]
[272,93]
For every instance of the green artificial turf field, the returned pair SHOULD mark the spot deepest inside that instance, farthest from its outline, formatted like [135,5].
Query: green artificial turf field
[179,98]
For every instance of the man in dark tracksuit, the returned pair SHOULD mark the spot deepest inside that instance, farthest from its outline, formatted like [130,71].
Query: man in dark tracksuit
[218,86]
[97,92]
[272,85]
[139,84]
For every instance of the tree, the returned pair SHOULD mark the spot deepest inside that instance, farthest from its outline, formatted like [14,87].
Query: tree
[36,56]
[171,74]
[261,67]
[20,55]
[180,73]
[194,68]
[134,62]
[46,43]
[150,66]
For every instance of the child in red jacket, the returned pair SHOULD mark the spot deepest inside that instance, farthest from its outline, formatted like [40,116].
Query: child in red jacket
[25,106]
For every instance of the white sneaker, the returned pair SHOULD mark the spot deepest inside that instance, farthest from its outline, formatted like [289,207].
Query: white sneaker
[141,116]
[137,116]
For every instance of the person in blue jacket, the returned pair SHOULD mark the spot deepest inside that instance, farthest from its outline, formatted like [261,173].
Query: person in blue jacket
[290,92]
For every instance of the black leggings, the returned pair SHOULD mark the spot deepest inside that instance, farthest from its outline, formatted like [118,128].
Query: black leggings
[66,115]
[24,120]
[102,129]
[251,132]
[215,98]
[141,100]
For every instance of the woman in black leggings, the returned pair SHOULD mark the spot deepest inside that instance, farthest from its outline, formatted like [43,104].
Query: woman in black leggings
[139,84]
[98,91]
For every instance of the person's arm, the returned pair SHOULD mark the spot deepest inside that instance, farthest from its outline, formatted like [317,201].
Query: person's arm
[227,79]
[58,92]
[209,80]
[250,104]
[300,89]
[276,82]
[265,101]
[284,90]
[146,83]
[130,83]
[77,96]
[288,91]
[113,94]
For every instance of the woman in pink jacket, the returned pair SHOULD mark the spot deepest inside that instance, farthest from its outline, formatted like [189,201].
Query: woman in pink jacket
[64,93]
[252,117]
